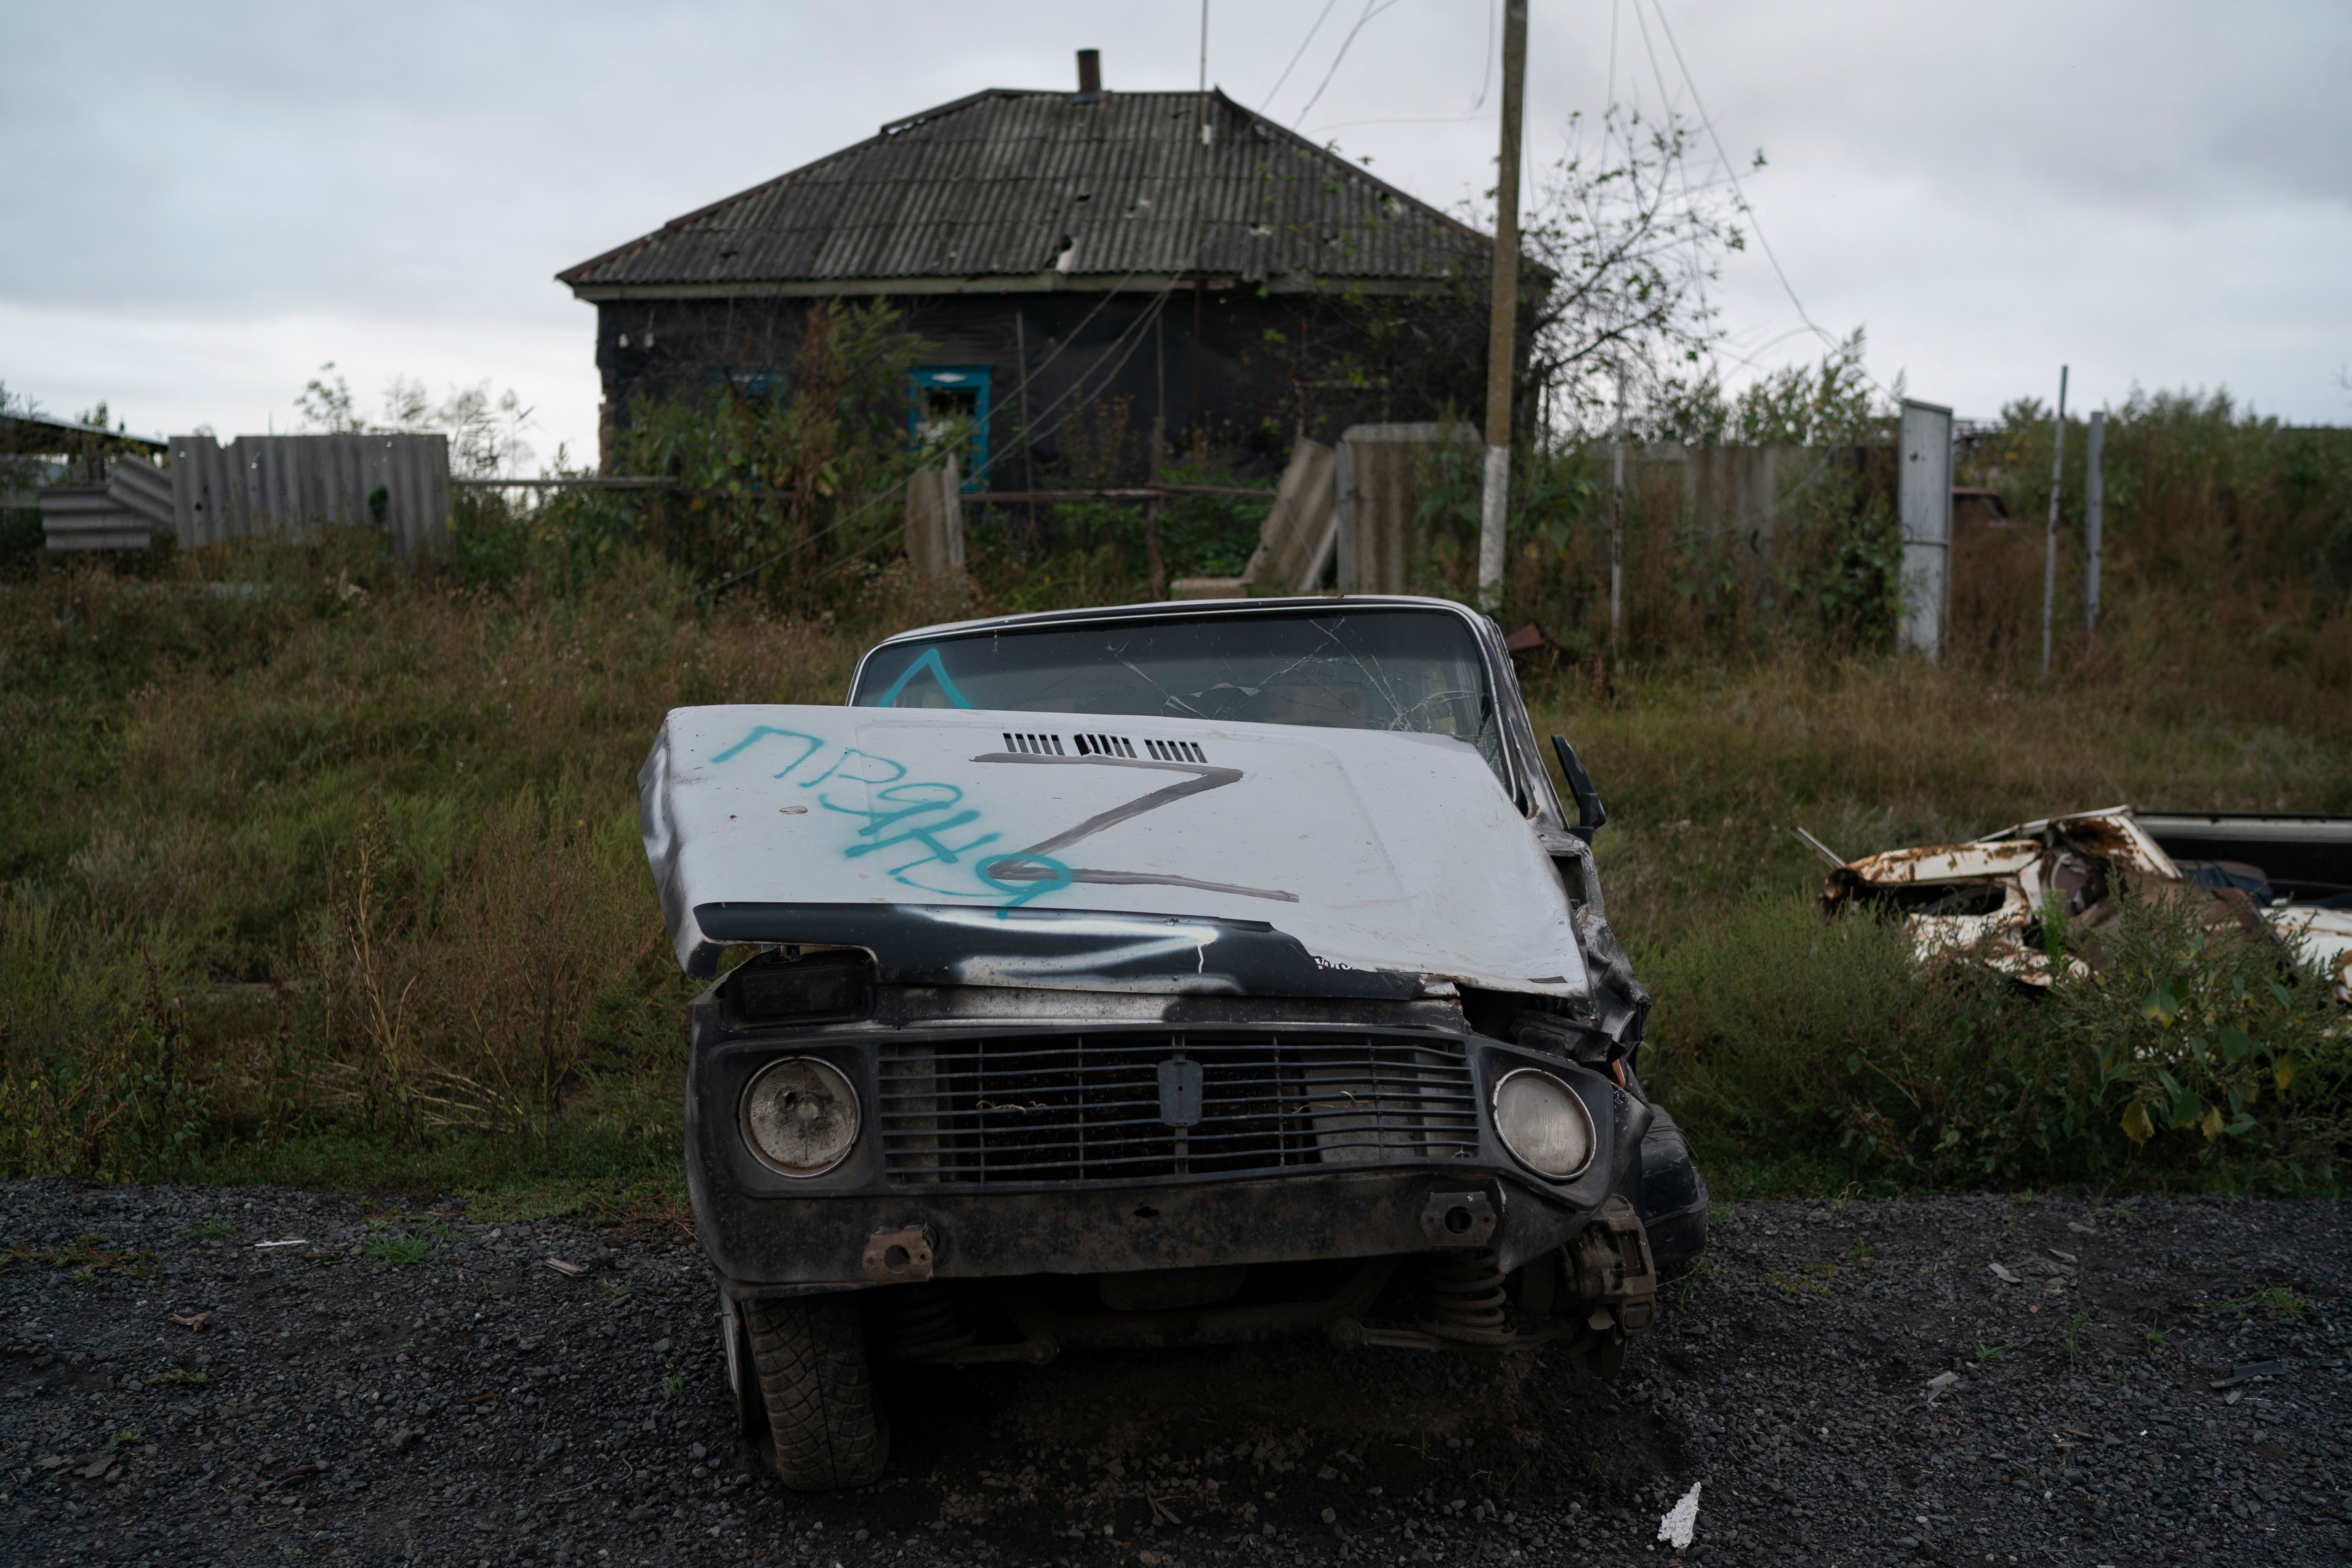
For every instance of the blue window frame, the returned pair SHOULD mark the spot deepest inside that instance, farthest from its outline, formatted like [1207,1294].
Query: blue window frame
[750,380]
[941,394]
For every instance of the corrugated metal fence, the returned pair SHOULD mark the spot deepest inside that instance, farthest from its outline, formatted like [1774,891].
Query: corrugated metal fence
[122,514]
[1377,479]
[284,487]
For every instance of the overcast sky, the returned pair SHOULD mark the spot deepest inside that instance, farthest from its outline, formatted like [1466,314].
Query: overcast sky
[201,203]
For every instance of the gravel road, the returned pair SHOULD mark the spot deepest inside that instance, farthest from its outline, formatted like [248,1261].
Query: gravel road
[384,1387]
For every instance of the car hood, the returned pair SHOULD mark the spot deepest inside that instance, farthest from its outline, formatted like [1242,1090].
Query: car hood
[972,847]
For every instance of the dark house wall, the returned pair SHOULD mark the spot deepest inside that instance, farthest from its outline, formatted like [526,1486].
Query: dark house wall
[1240,367]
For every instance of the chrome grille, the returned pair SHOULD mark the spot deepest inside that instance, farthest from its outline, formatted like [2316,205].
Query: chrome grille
[1100,1107]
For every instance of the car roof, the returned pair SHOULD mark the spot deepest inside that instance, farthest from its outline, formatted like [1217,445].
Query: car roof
[1163,609]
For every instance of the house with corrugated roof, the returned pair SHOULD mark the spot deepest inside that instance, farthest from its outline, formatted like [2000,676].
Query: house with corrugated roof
[1074,261]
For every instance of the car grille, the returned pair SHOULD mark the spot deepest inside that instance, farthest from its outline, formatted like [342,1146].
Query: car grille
[1100,1107]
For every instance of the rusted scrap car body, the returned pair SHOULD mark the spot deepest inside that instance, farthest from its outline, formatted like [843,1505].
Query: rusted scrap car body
[2291,876]
[1181,1007]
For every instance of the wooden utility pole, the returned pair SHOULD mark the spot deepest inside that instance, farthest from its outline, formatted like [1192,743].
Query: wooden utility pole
[2049,550]
[1502,336]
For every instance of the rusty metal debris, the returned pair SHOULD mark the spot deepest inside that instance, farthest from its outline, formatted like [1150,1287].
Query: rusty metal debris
[901,1256]
[2253,1370]
[2288,876]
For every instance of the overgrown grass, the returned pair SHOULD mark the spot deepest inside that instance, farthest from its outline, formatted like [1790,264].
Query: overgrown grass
[1809,1056]
[320,872]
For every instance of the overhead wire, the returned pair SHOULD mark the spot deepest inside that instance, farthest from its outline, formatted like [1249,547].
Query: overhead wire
[1143,318]
[1486,80]
[1371,9]
[1477,106]
[1031,374]
[1609,110]
[1048,422]
[1730,176]
[1133,330]
[1301,54]
[1732,173]
[1700,104]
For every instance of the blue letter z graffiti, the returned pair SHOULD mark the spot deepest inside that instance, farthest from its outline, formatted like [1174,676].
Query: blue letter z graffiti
[931,661]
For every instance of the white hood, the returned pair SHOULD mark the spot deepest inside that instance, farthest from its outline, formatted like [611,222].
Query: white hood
[1072,852]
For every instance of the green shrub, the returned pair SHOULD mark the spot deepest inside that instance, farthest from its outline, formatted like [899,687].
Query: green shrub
[2193,1056]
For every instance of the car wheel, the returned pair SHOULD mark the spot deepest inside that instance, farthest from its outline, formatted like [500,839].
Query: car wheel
[810,1354]
[1674,1196]
[742,1381]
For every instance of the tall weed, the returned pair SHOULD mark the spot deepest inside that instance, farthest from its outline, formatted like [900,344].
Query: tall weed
[321,868]
[2192,1058]
[124,1103]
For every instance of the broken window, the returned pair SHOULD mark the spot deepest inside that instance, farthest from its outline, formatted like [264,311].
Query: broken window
[751,381]
[1414,670]
[944,397]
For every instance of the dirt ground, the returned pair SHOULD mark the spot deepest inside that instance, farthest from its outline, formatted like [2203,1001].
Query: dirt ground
[415,1387]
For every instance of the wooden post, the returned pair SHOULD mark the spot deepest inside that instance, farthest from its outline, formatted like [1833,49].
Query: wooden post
[1502,334]
[1028,464]
[2094,506]
[935,525]
[1617,531]
[1152,568]
[1152,565]
[2049,548]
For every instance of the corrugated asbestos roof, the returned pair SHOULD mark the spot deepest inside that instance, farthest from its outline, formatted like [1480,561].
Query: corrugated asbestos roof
[1008,183]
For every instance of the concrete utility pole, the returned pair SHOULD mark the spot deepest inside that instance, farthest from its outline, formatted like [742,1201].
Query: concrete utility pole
[2094,506]
[2049,550]
[1502,335]
[1617,531]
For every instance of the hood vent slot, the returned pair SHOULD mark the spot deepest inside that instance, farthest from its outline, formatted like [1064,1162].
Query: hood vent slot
[1104,746]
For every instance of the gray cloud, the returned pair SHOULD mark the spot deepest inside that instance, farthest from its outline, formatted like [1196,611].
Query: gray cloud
[2157,192]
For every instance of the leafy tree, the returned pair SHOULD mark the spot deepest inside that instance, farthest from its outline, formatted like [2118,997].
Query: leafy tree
[1833,403]
[1631,242]
[802,478]
[487,430]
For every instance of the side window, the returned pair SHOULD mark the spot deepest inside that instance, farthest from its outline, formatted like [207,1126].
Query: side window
[944,395]
[749,380]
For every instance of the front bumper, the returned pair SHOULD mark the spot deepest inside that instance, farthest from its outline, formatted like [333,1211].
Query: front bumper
[770,1234]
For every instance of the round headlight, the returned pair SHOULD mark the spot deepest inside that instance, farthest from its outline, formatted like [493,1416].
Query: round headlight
[1543,1124]
[799,1117]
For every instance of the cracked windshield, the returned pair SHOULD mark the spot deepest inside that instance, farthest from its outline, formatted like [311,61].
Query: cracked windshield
[1400,670]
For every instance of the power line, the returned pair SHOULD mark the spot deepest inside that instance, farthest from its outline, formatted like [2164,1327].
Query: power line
[1301,54]
[1731,174]
[1133,329]
[1142,318]
[1431,120]
[1729,169]
[1478,106]
[1486,79]
[1609,112]
[1077,383]
[1371,9]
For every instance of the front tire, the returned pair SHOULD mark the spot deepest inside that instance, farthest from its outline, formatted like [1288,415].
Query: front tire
[809,1352]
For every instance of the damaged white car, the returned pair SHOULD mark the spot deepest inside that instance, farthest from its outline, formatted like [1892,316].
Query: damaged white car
[1164,976]
[2291,876]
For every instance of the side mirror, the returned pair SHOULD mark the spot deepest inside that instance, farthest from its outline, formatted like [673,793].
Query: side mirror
[1592,816]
